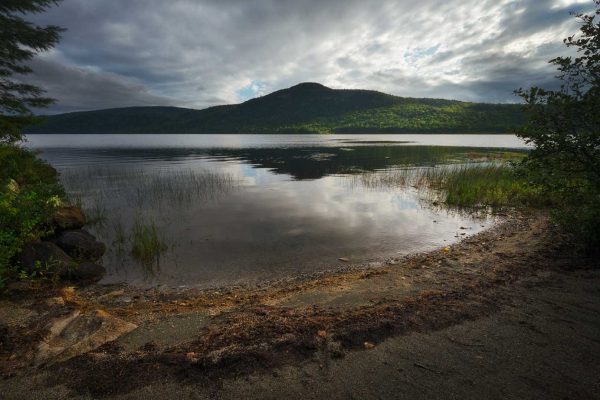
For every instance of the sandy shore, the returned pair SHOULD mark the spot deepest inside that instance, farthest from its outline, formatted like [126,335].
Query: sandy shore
[507,313]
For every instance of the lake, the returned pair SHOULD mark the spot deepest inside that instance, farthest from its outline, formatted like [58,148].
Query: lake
[229,209]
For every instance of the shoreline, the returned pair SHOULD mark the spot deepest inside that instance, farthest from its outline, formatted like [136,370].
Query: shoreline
[230,333]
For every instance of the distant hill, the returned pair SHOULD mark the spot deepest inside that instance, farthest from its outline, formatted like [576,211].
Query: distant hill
[304,108]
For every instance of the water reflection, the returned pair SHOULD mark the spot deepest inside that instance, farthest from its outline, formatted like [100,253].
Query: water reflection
[297,162]
[210,216]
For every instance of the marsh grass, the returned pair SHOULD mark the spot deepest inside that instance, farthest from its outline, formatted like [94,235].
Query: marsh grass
[147,245]
[120,237]
[96,215]
[496,185]
[140,187]
[122,204]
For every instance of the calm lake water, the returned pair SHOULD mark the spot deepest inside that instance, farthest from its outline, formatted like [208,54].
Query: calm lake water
[237,208]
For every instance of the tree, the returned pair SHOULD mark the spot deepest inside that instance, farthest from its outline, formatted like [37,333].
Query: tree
[564,127]
[20,41]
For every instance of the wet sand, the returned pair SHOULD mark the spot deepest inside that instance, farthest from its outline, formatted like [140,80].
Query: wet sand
[509,313]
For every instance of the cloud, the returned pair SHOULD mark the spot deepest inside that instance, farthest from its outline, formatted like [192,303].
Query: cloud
[78,88]
[200,53]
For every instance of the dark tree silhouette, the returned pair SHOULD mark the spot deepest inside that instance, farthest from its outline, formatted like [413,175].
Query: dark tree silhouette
[20,41]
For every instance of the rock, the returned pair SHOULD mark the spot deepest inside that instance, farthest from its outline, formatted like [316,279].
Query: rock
[80,244]
[69,217]
[45,254]
[79,333]
[87,272]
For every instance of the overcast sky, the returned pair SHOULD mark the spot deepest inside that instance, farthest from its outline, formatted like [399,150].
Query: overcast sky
[198,53]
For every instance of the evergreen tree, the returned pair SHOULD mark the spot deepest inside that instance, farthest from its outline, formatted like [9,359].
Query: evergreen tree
[20,41]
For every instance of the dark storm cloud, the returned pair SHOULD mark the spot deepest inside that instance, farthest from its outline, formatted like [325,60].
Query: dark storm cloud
[200,53]
[74,86]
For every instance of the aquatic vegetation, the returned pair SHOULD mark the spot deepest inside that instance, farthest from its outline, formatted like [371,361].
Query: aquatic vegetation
[464,185]
[147,245]
[495,185]
[106,192]
[153,200]
[153,187]
[97,215]
[120,237]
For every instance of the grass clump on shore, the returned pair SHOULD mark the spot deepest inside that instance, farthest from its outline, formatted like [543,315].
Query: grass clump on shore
[497,185]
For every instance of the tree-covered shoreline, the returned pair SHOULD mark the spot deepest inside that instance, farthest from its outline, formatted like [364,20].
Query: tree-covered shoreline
[304,108]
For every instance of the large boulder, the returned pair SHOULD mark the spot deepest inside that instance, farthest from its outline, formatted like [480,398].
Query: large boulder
[80,244]
[45,255]
[69,217]
[85,272]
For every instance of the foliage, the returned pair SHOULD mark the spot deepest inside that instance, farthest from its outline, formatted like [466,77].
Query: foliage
[564,126]
[20,41]
[29,190]
[27,202]
[24,167]
[305,108]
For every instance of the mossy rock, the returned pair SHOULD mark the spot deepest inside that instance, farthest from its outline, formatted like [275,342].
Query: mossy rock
[69,217]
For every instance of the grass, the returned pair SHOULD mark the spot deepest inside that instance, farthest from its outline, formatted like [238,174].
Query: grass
[120,237]
[147,244]
[122,204]
[496,185]
[97,215]
[154,188]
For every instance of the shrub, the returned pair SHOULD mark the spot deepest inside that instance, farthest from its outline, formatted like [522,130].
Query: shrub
[29,193]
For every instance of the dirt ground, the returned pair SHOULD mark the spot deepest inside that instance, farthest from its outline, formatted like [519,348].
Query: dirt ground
[512,312]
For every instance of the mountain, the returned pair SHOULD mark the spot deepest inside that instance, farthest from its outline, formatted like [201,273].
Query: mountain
[304,108]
